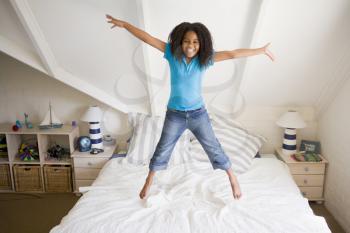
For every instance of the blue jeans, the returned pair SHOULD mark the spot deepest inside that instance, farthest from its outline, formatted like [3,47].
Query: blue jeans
[176,122]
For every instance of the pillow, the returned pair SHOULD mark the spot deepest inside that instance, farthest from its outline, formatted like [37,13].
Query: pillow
[239,144]
[146,134]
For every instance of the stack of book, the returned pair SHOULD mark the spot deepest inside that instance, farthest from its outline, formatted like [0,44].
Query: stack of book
[303,156]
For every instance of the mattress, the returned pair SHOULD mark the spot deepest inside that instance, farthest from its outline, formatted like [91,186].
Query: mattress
[192,198]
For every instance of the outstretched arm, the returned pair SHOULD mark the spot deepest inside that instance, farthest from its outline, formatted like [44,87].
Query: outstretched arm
[142,35]
[225,55]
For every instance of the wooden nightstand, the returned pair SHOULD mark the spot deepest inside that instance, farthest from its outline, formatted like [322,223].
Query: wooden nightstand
[87,166]
[309,176]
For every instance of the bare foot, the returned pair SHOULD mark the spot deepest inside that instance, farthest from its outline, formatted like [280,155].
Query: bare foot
[144,190]
[147,184]
[236,190]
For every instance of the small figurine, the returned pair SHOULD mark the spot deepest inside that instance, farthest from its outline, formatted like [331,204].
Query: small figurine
[28,124]
[15,128]
[18,124]
[74,123]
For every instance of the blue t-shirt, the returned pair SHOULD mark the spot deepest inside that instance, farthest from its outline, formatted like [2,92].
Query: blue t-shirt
[186,82]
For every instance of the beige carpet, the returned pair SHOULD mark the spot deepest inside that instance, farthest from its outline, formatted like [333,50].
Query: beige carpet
[38,213]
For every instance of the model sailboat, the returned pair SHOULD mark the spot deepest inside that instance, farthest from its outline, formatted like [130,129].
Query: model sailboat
[50,121]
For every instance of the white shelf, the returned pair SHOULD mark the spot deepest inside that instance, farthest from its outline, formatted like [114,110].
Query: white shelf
[18,161]
[58,162]
[44,138]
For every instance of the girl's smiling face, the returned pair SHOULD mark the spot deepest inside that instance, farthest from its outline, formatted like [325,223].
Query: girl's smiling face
[190,45]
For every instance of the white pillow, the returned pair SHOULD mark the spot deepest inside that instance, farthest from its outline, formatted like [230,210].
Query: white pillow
[239,144]
[146,134]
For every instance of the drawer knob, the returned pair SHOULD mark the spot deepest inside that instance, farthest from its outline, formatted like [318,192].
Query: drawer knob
[306,169]
[304,193]
[89,163]
[305,181]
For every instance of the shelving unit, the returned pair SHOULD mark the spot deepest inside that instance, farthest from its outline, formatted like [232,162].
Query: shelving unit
[65,137]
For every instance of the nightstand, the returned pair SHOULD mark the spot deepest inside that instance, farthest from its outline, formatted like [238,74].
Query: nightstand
[87,166]
[309,176]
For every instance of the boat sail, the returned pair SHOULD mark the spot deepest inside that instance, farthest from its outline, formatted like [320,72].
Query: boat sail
[50,121]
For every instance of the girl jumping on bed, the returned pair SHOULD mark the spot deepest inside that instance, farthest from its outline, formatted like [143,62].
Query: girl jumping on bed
[189,51]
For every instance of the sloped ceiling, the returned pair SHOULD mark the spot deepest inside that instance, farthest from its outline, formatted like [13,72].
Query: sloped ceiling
[71,41]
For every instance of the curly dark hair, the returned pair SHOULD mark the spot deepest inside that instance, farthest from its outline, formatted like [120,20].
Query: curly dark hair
[205,41]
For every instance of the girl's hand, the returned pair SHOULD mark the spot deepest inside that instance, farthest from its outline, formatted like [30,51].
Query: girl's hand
[267,52]
[115,22]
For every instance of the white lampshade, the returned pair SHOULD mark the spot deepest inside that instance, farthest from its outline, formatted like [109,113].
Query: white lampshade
[291,119]
[93,114]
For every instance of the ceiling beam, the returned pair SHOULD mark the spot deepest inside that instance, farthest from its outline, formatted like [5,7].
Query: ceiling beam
[34,32]
[24,55]
[52,67]
[142,24]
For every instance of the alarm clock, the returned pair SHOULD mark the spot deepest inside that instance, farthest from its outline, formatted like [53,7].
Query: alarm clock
[84,144]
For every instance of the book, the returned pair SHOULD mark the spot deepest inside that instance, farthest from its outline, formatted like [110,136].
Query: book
[303,156]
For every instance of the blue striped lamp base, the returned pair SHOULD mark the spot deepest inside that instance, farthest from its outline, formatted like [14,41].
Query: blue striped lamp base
[289,145]
[95,135]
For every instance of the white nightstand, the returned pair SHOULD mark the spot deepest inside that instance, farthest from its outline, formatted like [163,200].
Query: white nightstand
[87,166]
[309,176]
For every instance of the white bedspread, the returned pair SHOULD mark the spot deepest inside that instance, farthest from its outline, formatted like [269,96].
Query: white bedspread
[192,198]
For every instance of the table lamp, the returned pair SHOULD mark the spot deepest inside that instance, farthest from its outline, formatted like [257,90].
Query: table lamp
[291,121]
[93,115]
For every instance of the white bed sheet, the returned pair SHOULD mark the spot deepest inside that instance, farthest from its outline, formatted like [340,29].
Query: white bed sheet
[193,198]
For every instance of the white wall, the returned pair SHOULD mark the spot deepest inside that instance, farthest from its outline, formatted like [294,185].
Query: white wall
[334,128]
[261,119]
[25,90]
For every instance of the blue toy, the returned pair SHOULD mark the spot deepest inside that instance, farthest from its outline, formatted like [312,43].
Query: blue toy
[84,144]
[18,124]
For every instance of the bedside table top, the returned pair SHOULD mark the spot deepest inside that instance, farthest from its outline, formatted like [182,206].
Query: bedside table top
[288,159]
[108,152]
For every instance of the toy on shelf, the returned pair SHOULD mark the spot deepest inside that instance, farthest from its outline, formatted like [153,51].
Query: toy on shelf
[28,124]
[57,152]
[3,146]
[18,124]
[28,152]
[84,143]
[15,128]
[50,121]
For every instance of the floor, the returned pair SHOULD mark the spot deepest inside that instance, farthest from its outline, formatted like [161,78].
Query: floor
[320,210]
[33,213]
[38,213]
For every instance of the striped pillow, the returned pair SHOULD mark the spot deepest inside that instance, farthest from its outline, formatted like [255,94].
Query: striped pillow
[146,134]
[239,144]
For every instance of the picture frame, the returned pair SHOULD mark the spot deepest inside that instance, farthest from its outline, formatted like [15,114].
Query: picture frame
[310,146]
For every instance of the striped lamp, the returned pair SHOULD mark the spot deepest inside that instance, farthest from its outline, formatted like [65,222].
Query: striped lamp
[93,115]
[290,120]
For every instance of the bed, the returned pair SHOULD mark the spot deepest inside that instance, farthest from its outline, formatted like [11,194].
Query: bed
[192,197]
